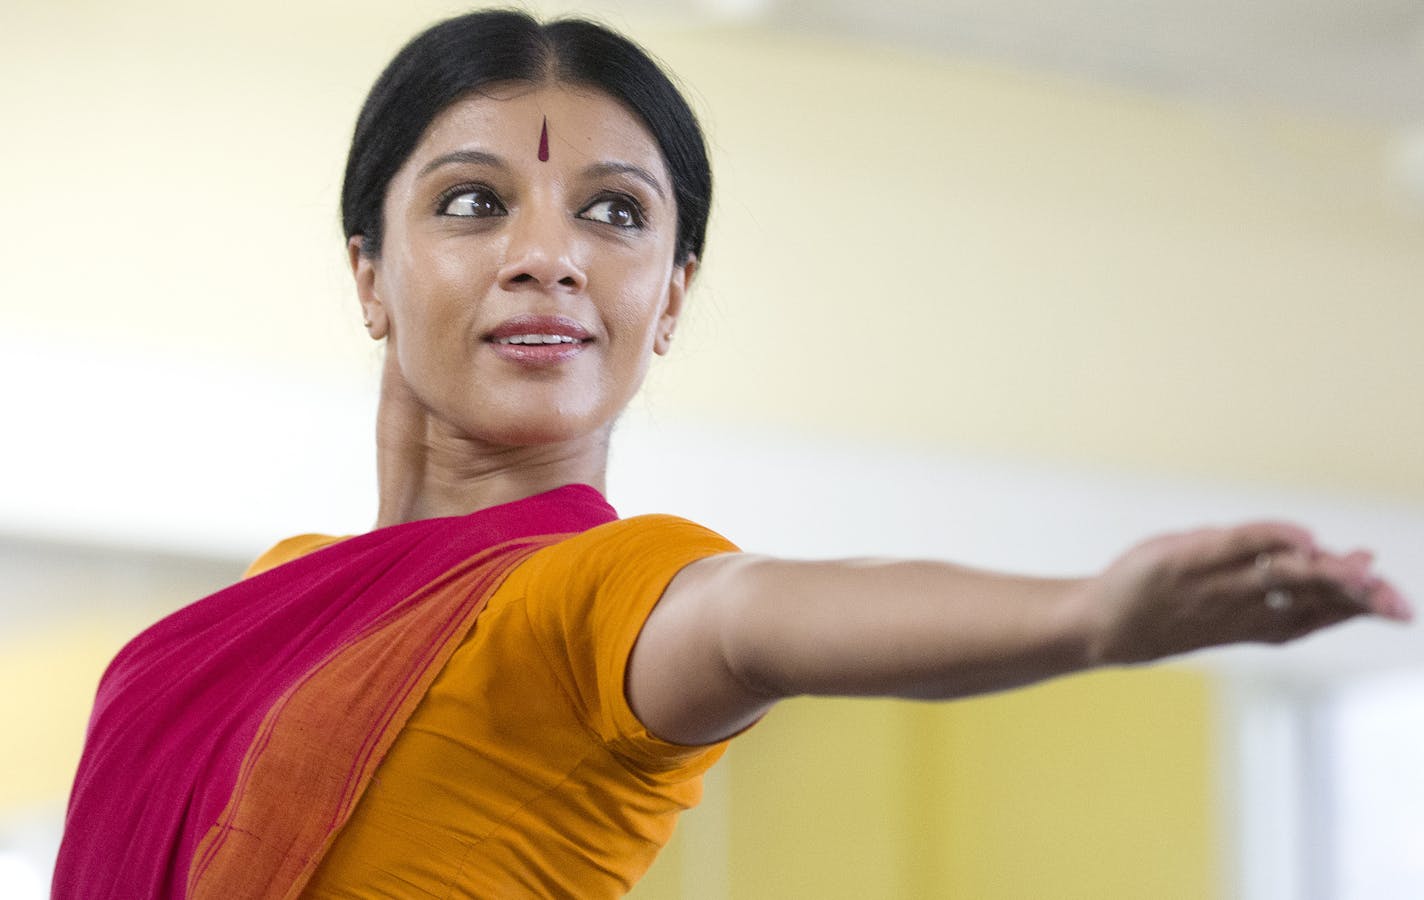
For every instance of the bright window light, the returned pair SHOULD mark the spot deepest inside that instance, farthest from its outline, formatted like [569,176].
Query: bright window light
[1375,729]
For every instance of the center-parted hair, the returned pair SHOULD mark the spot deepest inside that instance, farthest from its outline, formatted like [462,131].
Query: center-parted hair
[461,55]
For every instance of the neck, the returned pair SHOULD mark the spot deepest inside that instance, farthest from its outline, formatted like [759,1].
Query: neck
[426,469]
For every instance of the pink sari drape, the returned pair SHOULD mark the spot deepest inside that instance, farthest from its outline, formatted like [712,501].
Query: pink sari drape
[230,741]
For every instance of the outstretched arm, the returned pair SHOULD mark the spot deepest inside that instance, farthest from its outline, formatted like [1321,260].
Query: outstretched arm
[733,634]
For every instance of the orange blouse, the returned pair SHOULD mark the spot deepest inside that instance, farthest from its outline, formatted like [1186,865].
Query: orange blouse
[523,772]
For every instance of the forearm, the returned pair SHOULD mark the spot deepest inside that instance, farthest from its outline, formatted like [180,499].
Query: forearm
[897,628]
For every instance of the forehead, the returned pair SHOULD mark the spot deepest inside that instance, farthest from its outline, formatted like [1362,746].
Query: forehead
[584,125]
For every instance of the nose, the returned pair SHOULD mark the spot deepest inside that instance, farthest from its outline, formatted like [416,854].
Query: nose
[541,254]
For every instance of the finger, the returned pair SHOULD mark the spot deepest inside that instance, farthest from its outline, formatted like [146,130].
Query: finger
[1360,562]
[1360,558]
[1297,595]
[1299,598]
[1387,600]
[1325,579]
[1309,606]
[1243,543]
[1356,582]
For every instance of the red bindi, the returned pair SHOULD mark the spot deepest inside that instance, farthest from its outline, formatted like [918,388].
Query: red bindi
[544,141]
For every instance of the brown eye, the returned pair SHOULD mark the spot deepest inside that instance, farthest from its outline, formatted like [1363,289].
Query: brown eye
[615,211]
[473,202]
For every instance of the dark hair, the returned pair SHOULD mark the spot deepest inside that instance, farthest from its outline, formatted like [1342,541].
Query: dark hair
[463,54]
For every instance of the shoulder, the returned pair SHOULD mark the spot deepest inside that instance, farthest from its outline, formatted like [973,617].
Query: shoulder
[588,595]
[593,591]
[284,551]
[649,548]
[657,534]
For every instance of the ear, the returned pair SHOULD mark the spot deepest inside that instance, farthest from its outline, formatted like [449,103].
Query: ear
[363,270]
[678,287]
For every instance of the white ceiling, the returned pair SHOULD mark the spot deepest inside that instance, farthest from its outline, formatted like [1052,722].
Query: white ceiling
[1359,59]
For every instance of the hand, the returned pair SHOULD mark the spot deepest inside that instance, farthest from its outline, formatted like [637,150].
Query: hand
[1181,592]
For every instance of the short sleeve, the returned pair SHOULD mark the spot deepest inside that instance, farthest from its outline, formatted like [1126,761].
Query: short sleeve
[588,598]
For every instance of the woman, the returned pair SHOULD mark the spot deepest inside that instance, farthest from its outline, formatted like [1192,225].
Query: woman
[504,690]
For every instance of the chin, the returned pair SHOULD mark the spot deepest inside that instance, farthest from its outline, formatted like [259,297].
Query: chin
[546,430]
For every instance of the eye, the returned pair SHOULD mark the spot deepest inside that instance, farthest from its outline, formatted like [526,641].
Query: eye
[620,212]
[473,201]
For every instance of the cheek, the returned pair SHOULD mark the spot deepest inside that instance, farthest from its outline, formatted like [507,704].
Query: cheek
[637,309]
[435,301]
[460,267]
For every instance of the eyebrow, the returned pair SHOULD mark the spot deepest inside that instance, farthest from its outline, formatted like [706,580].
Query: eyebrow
[478,157]
[483,158]
[617,168]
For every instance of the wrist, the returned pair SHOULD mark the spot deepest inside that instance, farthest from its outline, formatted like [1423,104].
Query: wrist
[1079,621]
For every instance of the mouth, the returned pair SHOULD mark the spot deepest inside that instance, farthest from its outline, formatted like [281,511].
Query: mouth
[539,330]
[539,340]
[534,339]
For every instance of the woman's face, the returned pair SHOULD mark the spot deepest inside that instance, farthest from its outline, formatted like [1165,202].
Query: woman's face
[527,267]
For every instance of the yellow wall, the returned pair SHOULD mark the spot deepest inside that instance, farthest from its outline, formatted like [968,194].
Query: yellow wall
[1096,787]
[1093,787]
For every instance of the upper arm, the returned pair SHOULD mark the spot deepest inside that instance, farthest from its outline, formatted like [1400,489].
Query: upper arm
[587,600]
[684,681]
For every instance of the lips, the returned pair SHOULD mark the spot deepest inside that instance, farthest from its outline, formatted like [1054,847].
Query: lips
[535,326]
[539,340]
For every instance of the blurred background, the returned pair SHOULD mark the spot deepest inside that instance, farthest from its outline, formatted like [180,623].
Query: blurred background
[1012,284]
